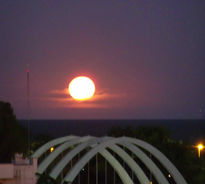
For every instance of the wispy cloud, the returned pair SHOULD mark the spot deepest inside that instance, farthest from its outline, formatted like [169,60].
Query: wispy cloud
[101,99]
[59,92]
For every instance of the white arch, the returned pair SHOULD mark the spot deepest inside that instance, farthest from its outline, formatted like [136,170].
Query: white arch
[50,144]
[69,156]
[131,163]
[143,179]
[147,161]
[85,159]
[51,157]
[125,178]
[160,156]
[99,146]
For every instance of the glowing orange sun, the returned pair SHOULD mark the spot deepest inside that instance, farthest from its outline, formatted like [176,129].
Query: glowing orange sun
[81,88]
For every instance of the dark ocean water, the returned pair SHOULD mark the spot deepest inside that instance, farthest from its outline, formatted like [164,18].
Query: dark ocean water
[189,130]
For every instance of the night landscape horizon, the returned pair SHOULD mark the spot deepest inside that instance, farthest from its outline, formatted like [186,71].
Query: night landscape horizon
[101,92]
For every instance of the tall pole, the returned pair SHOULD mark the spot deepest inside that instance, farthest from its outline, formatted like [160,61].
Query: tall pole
[114,176]
[79,172]
[105,171]
[88,172]
[132,169]
[28,107]
[150,174]
[96,169]
[114,173]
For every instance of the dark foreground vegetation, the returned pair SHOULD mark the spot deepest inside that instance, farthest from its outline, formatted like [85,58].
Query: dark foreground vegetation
[13,138]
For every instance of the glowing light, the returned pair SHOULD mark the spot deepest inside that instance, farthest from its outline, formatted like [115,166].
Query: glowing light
[51,149]
[169,175]
[200,147]
[81,88]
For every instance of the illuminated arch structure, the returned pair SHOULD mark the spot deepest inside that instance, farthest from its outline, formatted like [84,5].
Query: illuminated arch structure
[132,160]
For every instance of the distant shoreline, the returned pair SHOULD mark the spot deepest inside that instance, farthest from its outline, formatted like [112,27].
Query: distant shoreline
[184,129]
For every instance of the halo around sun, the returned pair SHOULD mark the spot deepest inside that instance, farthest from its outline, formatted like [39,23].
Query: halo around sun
[81,88]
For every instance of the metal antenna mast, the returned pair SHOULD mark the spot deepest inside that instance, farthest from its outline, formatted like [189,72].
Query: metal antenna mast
[28,106]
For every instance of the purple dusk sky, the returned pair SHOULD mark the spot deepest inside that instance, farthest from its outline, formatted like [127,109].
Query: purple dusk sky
[147,58]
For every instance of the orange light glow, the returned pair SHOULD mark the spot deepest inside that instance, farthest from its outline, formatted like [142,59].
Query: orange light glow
[51,149]
[200,147]
[81,88]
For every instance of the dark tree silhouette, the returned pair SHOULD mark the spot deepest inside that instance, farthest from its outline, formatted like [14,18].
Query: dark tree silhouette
[12,135]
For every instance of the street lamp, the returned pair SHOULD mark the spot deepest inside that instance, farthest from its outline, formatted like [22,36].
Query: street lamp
[51,149]
[200,147]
